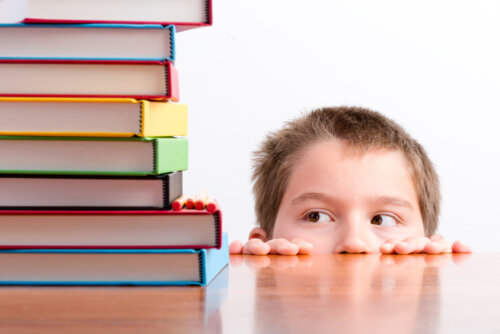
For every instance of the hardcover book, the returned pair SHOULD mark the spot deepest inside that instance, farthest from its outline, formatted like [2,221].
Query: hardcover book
[91,117]
[110,229]
[182,13]
[87,41]
[65,192]
[92,156]
[111,267]
[57,78]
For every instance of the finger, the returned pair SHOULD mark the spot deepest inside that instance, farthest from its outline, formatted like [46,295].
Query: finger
[460,247]
[236,247]
[283,247]
[305,247]
[438,247]
[388,246]
[411,245]
[406,246]
[256,247]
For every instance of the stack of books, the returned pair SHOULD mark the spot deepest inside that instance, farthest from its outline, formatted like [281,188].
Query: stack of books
[93,145]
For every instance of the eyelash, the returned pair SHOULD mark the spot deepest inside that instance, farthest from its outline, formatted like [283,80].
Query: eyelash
[306,215]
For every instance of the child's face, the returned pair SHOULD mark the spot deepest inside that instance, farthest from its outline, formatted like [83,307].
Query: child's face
[342,201]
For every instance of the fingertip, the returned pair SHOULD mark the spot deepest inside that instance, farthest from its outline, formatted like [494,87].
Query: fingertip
[402,248]
[305,248]
[434,247]
[236,247]
[287,249]
[460,247]
[259,248]
[386,248]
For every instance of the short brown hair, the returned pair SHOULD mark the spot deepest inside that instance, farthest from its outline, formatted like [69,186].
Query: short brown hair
[362,129]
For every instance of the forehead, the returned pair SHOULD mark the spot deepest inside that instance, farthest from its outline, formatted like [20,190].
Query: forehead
[333,166]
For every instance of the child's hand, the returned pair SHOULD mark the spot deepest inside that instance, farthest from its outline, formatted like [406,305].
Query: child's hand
[256,246]
[436,244]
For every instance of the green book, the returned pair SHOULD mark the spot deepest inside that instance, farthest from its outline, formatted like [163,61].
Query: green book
[92,156]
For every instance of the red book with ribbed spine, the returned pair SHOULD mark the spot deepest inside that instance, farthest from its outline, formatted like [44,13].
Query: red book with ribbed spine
[117,229]
[153,80]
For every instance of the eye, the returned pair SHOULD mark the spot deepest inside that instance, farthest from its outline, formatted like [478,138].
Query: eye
[384,220]
[317,217]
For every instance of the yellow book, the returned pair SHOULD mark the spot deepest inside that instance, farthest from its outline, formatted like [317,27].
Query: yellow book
[91,117]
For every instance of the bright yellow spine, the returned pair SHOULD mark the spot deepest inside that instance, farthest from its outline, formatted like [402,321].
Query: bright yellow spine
[160,119]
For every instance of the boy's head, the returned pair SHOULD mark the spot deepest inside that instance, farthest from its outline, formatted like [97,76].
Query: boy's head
[340,173]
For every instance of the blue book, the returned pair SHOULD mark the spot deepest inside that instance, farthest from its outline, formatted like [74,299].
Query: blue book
[112,267]
[131,42]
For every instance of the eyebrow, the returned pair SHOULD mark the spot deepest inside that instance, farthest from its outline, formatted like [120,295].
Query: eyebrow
[314,196]
[381,200]
[384,200]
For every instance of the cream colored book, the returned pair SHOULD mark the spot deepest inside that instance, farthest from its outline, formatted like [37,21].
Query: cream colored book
[91,117]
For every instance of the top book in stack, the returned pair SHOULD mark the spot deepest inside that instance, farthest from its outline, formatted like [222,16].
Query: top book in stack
[184,14]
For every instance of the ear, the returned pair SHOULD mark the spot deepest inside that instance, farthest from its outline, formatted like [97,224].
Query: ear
[258,233]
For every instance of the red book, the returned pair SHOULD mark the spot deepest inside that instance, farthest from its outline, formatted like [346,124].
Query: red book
[184,14]
[110,229]
[57,78]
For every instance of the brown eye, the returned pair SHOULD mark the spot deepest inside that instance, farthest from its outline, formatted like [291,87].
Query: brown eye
[317,217]
[377,220]
[313,217]
[383,220]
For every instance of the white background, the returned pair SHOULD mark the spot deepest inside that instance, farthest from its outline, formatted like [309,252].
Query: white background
[431,65]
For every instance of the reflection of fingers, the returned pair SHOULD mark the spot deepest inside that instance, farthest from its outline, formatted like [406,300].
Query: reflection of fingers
[256,247]
[236,260]
[305,261]
[304,246]
[236,247]
[459,258]
[283,262]
[386,259]
[437,260]
[460,247]
[409,260]
[256,262]
[282,247]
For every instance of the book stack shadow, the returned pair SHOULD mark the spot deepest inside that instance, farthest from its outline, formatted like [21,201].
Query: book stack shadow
[93,145]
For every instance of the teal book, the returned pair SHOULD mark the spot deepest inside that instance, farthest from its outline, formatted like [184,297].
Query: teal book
[151,267]
[92,156]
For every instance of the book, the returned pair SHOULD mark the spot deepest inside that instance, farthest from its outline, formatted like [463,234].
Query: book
[182,13]
[91,308]
[87,41]
[110,229]
[91,117]
[58,78]
[65,192]
[112,267]
[92,156]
